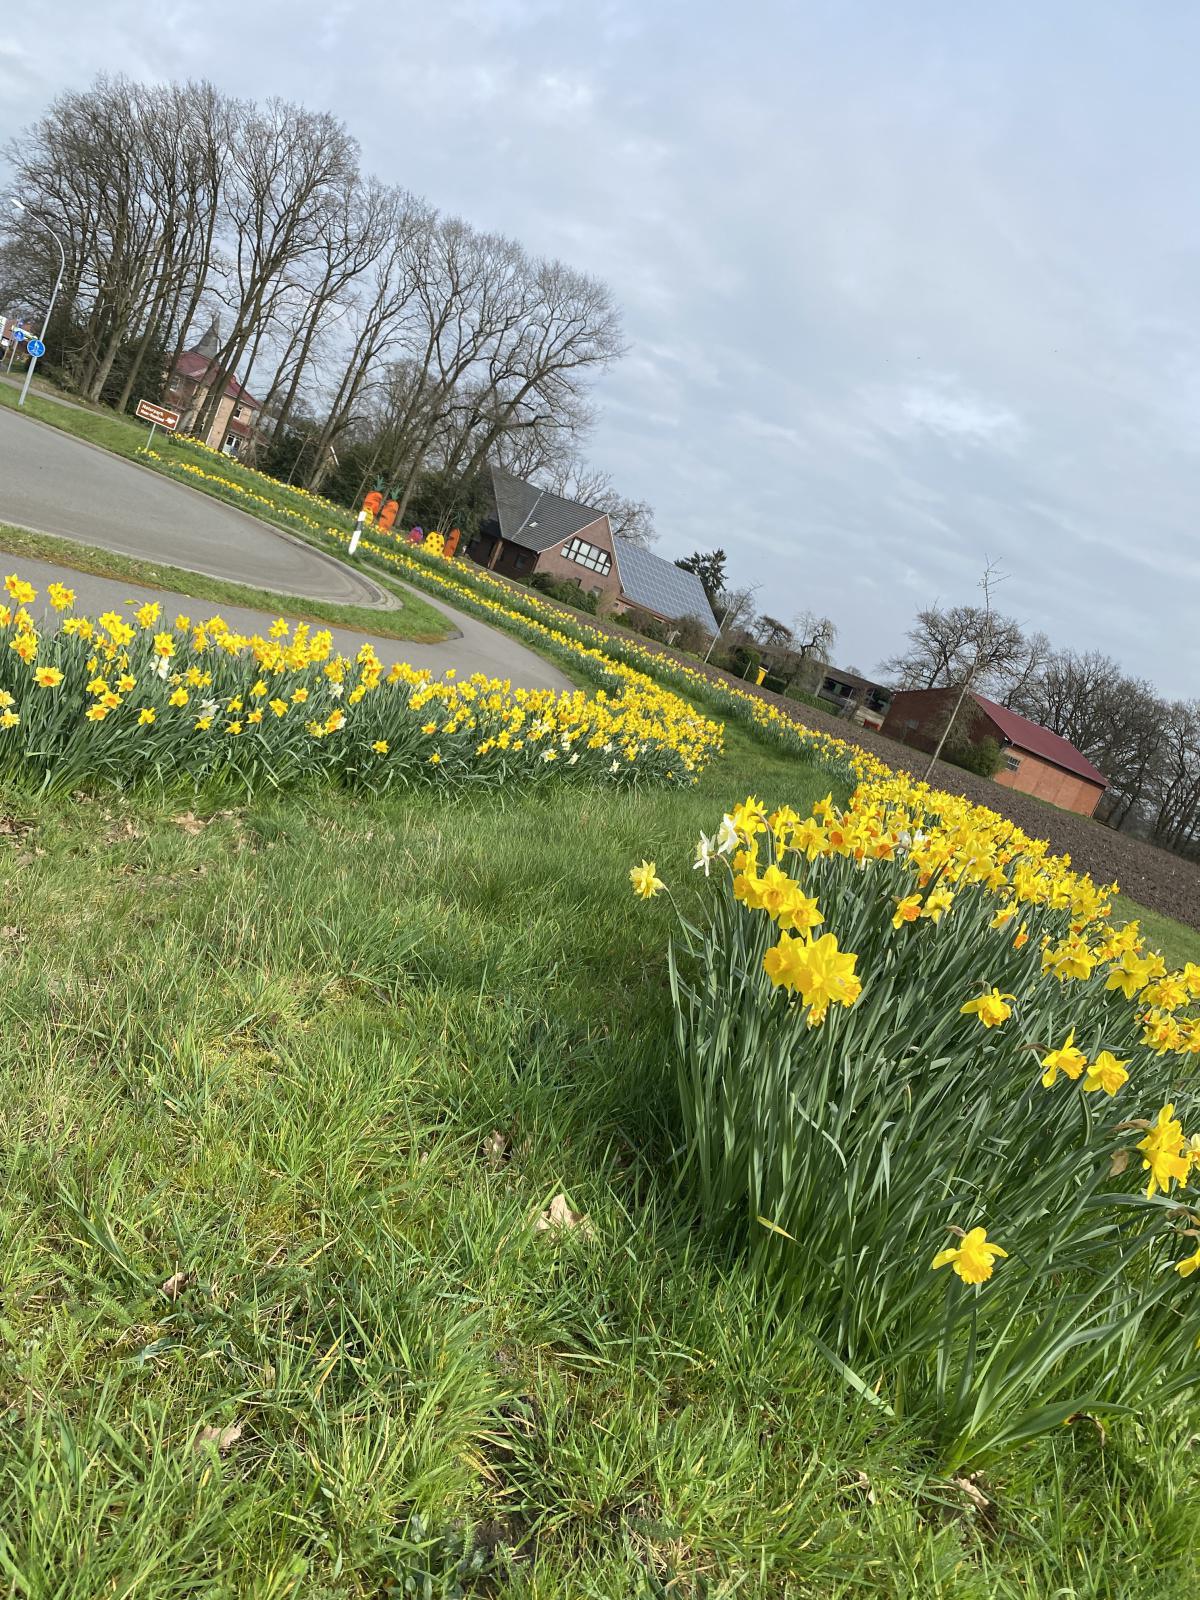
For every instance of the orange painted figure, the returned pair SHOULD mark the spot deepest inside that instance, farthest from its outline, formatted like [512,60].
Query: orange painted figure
[388,515]
[452,539]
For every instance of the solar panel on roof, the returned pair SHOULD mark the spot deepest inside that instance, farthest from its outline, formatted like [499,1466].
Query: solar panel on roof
[661,586]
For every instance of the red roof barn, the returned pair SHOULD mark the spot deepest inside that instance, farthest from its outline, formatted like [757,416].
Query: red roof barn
[1035,760]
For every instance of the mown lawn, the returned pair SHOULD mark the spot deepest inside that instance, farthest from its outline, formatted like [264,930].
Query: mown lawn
[324,1064]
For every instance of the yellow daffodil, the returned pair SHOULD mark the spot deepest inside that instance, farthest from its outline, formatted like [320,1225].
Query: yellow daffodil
[991,1008]
[645,880]
[1106,1073]
[1164,1152]
[973,1258]
[1067,1059]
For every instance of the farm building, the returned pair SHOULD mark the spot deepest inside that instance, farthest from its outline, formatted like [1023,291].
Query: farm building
[1035,760]
[854,697]
[536,531]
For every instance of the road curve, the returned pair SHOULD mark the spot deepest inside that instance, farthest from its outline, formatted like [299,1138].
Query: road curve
[478,648]
[59,484]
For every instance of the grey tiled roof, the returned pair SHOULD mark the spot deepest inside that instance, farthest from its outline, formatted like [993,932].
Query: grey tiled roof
[538,520]
[533,517]
[660,586]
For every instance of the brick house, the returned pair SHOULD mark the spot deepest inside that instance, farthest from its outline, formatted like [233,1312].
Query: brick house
[1034,760]
[536,531]
[235,423]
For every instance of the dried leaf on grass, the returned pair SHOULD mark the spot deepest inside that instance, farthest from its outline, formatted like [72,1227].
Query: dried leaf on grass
[495,1147]
[559,1218]
[191,823]
[972,1491]
[14,826]
[125,829]
[223,1438]
[177,1283]
[1120,1160]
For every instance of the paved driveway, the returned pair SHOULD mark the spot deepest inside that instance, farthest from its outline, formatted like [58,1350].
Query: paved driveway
[59,484]
[477,648]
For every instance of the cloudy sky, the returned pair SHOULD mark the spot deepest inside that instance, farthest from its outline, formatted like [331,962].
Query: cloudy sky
[904,285]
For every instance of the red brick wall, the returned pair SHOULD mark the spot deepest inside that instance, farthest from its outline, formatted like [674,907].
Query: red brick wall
[1048,782]
[557,565]
[929,708]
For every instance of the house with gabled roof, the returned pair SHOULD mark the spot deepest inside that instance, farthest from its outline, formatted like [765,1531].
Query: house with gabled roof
[1033,759]
[534,530]
[192,377]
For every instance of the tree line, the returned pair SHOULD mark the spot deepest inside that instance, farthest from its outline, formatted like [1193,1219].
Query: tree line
[1148,747]
[382,337]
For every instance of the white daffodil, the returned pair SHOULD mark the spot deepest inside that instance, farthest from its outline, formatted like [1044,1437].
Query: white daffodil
[727,836]
[706,854]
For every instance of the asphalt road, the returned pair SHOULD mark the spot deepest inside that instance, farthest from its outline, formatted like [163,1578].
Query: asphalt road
[59,484]
[56,484]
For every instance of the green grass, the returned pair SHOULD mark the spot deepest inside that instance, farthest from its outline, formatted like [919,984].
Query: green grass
[272,1053]
[1175,941]
[410,619]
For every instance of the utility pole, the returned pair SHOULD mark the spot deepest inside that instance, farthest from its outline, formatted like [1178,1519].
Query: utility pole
[19,205]
[992,577]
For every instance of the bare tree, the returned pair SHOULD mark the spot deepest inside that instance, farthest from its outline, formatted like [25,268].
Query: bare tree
[426,346]
[945,645]
[287,167]
[993,645]
[770,631]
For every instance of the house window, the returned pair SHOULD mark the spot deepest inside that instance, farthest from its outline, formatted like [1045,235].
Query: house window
[588,555]
[237,413]
[1013,763]
[232,445]
[911,725]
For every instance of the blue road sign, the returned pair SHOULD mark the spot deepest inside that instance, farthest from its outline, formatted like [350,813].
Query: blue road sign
[36,349]
[20,335]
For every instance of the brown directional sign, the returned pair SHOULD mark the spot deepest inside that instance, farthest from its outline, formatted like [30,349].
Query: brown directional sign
[160,415]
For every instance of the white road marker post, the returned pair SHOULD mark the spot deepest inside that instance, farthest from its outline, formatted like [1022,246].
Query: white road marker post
[357,534]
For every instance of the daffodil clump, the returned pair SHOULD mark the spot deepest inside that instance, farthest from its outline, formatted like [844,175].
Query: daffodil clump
[952,1102]
[553,627]
[132,695]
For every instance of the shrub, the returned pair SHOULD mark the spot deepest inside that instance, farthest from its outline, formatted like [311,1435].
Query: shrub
[827,706]
[904,1023]
[643,622]
[564,590]
[984,758]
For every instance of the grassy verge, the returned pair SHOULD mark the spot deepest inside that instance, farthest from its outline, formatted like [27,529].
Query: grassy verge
[319,1068]
[411,618]
[1175,941]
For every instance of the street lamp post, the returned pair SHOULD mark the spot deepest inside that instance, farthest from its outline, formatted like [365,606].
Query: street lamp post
[19,205]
